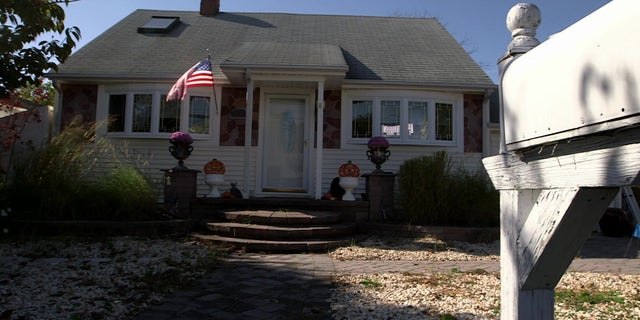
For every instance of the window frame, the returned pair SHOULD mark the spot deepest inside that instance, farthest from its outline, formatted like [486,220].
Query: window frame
[431,98]
[156,92]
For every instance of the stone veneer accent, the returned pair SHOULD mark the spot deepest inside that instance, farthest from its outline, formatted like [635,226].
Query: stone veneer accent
[79,100]
[473,123]
[231,126]
[331,132]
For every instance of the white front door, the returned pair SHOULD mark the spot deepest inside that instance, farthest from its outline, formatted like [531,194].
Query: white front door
[285,145]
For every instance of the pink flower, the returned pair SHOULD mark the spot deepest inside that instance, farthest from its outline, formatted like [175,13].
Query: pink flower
[180,137]
[378,142]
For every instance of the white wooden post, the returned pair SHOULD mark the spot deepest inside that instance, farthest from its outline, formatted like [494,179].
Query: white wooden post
[554,192]
[319,141]
[514,208]
[247,134]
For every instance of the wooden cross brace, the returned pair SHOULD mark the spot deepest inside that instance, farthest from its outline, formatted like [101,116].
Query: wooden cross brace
[548,208]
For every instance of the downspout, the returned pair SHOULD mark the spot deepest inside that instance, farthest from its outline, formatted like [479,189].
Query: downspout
[319,138]
[247,133]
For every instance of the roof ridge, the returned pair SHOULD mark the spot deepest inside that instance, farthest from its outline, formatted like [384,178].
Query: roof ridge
[296,14]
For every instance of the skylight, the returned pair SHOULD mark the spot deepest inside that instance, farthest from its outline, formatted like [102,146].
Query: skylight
[158,24]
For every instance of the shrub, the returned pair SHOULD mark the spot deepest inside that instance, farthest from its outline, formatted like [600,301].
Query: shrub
[44,182]
[432,193]
[423,185]
[122,194]
[473,200]
[58,182]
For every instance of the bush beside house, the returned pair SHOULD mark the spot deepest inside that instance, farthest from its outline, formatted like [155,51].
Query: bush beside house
[432,193]
[58,182]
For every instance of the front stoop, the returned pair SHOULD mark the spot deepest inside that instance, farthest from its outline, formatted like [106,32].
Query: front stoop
[269,232]
[279,231]
[252,245]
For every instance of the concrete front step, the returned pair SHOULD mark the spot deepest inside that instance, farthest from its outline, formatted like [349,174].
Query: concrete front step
[282,218]
[254,245]
[209,207]
[269,232]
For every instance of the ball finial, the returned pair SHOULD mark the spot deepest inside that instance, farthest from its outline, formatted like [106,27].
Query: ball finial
[522,21]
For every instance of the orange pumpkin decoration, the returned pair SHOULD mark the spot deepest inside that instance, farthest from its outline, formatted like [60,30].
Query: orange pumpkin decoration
[349,170]
[214,166]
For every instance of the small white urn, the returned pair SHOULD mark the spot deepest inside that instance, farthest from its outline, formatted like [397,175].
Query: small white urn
[214,180]
[348,184]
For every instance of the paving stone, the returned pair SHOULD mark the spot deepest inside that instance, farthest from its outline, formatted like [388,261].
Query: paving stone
[209,297]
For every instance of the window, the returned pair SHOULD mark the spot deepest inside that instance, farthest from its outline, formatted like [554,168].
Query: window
[117,106]
[199,114]
[362,121]
[142,104]
[390,114]
[158,24]
[421,121]
[418,120]
[169,115]
[444,121]
[146,113]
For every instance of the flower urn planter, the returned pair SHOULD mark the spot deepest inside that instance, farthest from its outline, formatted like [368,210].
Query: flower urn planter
[214,177]
[349,175]
[180,148]
[378,152]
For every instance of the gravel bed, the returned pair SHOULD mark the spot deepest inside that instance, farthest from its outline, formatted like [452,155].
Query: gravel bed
[424,248]
[113,278]
[457,295]
[476,296]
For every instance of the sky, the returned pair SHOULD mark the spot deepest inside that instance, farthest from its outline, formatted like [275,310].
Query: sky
[478,24]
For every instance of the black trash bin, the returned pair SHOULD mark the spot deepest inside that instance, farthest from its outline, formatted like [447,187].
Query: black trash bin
[616,222]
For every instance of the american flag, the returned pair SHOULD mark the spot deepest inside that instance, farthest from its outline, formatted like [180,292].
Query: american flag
[199,75]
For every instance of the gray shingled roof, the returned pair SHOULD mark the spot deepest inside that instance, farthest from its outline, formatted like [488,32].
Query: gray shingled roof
[394,49]
[303,55]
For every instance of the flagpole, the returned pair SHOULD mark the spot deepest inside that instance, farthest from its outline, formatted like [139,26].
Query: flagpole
[215,99]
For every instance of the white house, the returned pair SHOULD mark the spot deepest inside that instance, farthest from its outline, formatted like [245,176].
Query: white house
[295,96]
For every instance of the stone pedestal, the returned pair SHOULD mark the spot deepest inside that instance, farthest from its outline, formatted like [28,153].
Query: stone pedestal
[179,190]
[380,188]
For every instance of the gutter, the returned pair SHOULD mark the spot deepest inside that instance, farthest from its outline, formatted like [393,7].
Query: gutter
[81,77]
[385,84]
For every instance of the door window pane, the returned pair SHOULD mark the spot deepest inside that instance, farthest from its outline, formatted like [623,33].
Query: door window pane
[418,117]
[169,115]
[117,106]
[361,118]
[444,121]
[390,118]
[142,112]
[284,165]
[199,114]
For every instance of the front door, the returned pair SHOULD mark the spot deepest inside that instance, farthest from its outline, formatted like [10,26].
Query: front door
[284,152]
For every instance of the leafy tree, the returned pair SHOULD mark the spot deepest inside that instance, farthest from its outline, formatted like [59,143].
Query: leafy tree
[41,92]
[18,110]
[23,61]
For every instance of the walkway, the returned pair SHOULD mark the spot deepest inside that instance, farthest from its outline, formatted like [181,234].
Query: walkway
[297,286]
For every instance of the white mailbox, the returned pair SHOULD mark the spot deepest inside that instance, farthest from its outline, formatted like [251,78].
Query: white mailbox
[582,80]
